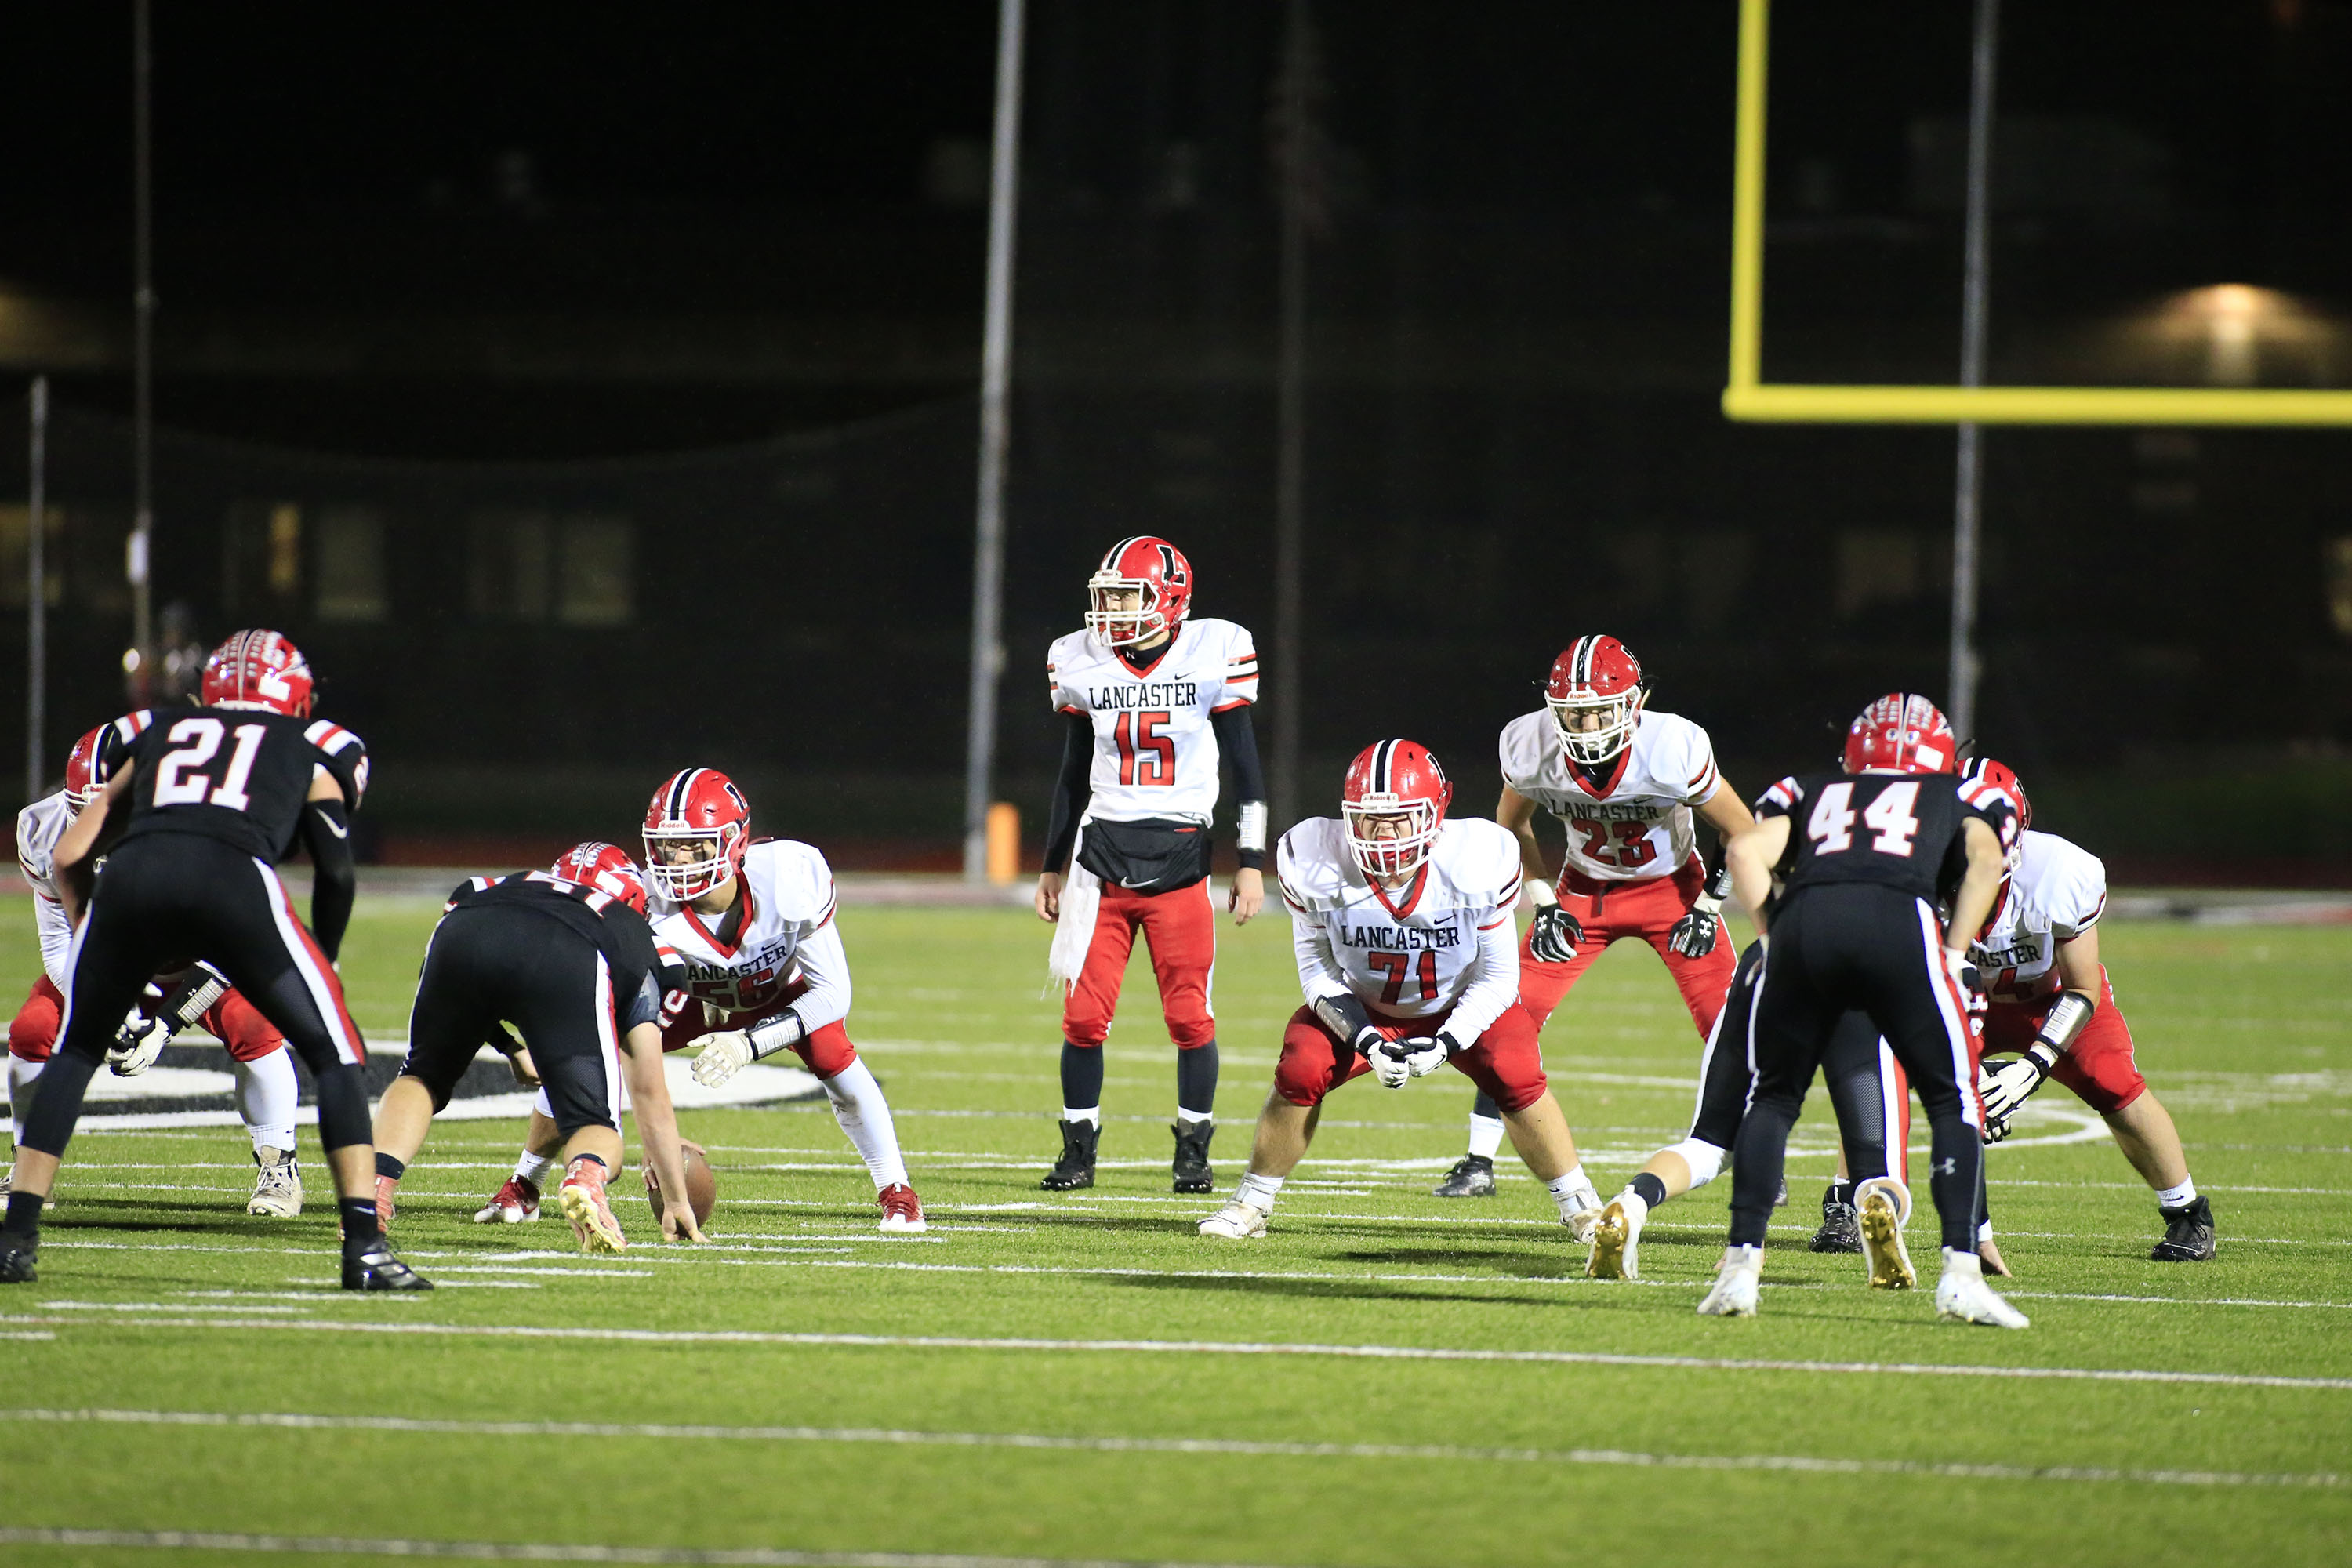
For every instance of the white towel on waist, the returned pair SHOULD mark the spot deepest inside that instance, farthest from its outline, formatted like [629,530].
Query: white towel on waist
[1075,931]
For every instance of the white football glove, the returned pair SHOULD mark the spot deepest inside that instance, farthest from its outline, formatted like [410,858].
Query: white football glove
[1424,1054]
[2006,1088]
[1386,1060]
[137,1044]
[724,1055]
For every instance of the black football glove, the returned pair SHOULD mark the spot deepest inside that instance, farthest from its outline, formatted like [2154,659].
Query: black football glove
[1554,935]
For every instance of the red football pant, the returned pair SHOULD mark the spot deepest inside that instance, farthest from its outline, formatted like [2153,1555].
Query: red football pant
[1506,1063]
[1181,927]
[824,1052]
[33,1033]
[2099,1066]
[1645,912]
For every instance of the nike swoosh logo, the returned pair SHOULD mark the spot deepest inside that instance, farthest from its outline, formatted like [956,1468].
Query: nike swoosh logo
[329,823]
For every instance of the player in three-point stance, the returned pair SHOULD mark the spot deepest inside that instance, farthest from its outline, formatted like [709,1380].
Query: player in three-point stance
[1626,782]
[198,810]
[1864,857]
[1402,924]
[266,1087]
[2050,1002]
[566,957]
[1152,697]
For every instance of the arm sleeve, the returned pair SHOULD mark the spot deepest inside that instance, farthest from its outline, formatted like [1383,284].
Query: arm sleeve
[1494,985]
[1237,739]
[57,939]
[824,964]
[1070,792]
[327,834]
[1319,972]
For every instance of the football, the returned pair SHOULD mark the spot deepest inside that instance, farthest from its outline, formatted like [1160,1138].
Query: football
[701,1187]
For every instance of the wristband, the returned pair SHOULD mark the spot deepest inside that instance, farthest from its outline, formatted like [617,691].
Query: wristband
[2065,1020]
[1250,830]
[1453,1047]
[1540,891]
[1719,887]
[769,1036]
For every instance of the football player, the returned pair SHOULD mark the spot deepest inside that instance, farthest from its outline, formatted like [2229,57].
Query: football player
[1152,696]
[198,810]
[752,921]
[266,1090]
[566,957]
[1626,782]
[2051,1005]
[1864,857]
[1402,924]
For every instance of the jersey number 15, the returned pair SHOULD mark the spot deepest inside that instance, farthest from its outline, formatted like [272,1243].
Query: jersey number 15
[177,780]
[1146,756]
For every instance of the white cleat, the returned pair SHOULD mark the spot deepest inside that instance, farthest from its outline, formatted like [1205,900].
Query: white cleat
[1237,1221]
[277,1188]
[1582,1214]
[1616,1238]
[1963,1297]
[1882,1205]
[1735,1286]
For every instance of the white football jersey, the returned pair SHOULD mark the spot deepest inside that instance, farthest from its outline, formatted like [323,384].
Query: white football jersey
[787,935]
[2057,892]
[39,828]
[1414,952]
[1155,753]
[1637,828]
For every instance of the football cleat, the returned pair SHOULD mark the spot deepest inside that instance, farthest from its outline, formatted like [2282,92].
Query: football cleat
[1963,1297]
[1192,1170]
[1616,1237]
[1736,1286]
[1472,1176]
[1075,1168]
[1879,1217]
[2187,1234]
[277,1188]
[1582,1214]
[17,1253]
[902,1212]
[1840,1229]
[373,1266]
[512,1204]
[1237,1221]
[584,1202]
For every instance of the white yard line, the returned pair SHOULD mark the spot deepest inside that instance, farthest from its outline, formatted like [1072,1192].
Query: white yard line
[1254,1447]
[536,1552]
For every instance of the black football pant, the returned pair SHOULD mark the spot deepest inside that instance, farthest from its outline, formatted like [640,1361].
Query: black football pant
[493,964]
[1879,951]
[1868,1119]
[163,900]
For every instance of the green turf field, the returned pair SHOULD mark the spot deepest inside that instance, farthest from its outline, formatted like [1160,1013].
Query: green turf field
[1388,1378]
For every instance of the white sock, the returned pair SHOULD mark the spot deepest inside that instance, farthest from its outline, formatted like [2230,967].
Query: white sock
[1984,1232]
[1194,1118]
[2179,1198]
[1736,1256]
[1486,1135]
[1570,1191]
[1636,1207]
[533,1168]
[265,1094]
[864,1115]
[1258,1191]
[1962,1265]
[1091,1115]
[21,1074]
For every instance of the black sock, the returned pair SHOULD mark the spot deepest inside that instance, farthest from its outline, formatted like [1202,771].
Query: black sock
[1196,1078]
[360,1224]
[385,1165]
[1486,1106]
[1649,1189]
[1082,1076]
[23,1214]
[1838,1195]
[598,1158]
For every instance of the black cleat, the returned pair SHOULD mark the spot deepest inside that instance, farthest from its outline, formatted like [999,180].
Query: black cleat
[1192,1168]
[1075,1168]
[1472,1176]
[373,1266]
[1840,1230]
[1781,1198]
[2187,1234]
[17,1255]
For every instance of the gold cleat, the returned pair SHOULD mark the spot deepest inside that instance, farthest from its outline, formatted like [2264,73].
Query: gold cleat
[1881,1244]
[1613,1246]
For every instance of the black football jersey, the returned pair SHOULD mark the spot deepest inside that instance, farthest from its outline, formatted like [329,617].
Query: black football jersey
[238,774]
[648,980]
[1895,830]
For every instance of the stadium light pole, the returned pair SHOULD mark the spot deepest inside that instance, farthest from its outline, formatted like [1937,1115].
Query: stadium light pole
[1295,151]
[1976,280]
[995,435]
[36,585]
[137,550]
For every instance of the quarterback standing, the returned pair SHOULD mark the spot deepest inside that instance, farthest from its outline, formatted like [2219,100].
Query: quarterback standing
[1401,921]
[1627,783]
[1152,697]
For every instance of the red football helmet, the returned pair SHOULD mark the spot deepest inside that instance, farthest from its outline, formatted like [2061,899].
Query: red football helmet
[695,832]
[605,867]
[257,668]
[86,768]
[1395,788]
[1902,733]
[1158,577]
[1595,695]
[2000,776]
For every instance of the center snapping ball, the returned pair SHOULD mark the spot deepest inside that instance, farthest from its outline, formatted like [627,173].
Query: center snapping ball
[701,1187]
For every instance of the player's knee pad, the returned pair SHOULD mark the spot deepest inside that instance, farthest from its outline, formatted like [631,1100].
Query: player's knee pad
[1704,1159]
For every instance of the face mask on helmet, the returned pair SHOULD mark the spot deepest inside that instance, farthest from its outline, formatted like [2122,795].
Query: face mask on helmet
[1140,592]
[1394,803]
[695,832]
[1595,693]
